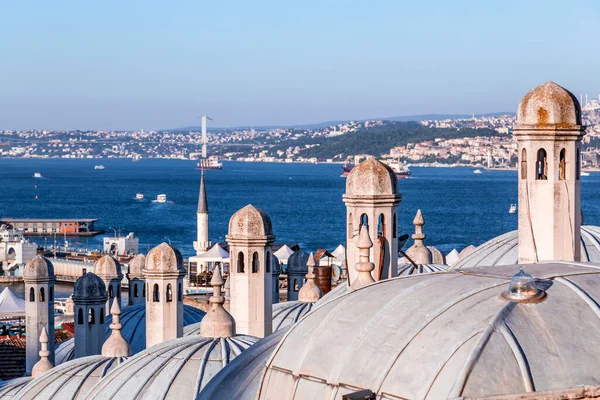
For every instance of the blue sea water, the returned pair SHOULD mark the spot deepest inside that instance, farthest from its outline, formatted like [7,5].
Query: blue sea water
[304,201]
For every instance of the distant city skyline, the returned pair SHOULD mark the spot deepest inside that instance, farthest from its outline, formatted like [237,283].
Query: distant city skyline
[158,65]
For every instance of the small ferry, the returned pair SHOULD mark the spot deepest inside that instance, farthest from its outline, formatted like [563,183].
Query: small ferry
[37,175]
[161,198]
[477,171]
[139,196]
[402,171]
[98,166]
[512,209]
[583,173]
[210,163]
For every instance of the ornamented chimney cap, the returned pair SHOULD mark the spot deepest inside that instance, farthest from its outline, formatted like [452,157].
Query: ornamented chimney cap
[364,266]
[38,268]
[164,258]
[249,222]
[310,292]
[116,345]
[136,266]
[549,106]
[371,178]
[44,363]
[217,323]
[108,267]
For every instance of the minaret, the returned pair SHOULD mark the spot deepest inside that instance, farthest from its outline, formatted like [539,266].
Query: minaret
[39,281]
[108,269]
[201,244]
[364,267]
[44,364]
[310,292]
[549,134]
[372,200]
[250,238]
[164,274]
[90,298]
[116,345]
[418,252]
[217,323]
[137,283]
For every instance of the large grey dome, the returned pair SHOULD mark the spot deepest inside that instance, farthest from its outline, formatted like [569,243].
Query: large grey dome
[445,335]
[410,269]
[71,380]
[503,250]
[288,313]
[8,389]
[90,287]
[133,319]
[177,368]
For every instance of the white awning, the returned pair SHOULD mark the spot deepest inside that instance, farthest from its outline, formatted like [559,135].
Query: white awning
[215,254]
[284,253]
[339,252]
[11,306]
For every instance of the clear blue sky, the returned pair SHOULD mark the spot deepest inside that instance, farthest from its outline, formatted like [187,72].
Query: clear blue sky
[127,64]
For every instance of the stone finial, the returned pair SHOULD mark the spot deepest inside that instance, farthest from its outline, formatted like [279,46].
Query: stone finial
[116,345]
[310,292]
[217,323]
[418,252]
[44,364]
[364,266]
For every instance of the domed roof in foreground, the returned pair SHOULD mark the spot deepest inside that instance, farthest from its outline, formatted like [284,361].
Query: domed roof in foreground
[177,368]
[250,222]
[503,250]
[409,269]
[549,106]
[288,313]
[8,389]
[71,380]
[371,178]
[445,335]
[133,319]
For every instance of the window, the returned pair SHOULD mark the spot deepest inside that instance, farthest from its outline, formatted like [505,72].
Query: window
[144,291]
[155,294]
[578,166]
[42,295]
[295,285]
[169,293]
[180,293]
[524,164]
[255,262]
[364,220]
[51,294]
[562,165]
[91,316]
[31,295]
[111,292]
[135,291]
[350,226]
[268,263]
[395,226]
[381,225]
[541,167]
[102,315]
[80,317]
[240,262]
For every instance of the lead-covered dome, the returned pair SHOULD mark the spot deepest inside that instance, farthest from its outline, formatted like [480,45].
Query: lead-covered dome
[549,106]
[249,222]
[133,321]
[504,249]
[177,368]
[288,313]
[445,335]
[371,178]
[410,269]
[89,287]
[72,380]
[38,268]
[9,388]
[107,266]
[164,258]
[297,263]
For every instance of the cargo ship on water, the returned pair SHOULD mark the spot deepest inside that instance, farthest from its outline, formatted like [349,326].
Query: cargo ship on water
[401,170]
[210,163]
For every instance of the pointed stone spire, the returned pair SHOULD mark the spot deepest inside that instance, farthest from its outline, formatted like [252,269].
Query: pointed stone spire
[202,203]
[44,363]
[418,252]
[217,323]
[310,292]
[364,266]
[227,288]
[116,345]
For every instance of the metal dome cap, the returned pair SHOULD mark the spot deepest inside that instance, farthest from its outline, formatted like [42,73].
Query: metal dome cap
[522,288]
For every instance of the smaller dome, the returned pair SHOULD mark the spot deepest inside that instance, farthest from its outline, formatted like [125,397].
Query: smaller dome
[275,265]
[409,269]
[371,178]
[71,380]
[466,251]
[297,263]
[136,266]
[249,222]
[38,268]
[549,106]
[89,287]
[164,258]
[108,267]
[10,388]
[288,313]
[437,257]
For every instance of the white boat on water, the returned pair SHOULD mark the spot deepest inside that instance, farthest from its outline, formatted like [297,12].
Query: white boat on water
[477,171]
[512,209]
[37,175]
[161,198]
[583,173]
[139,196]
[98,166]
